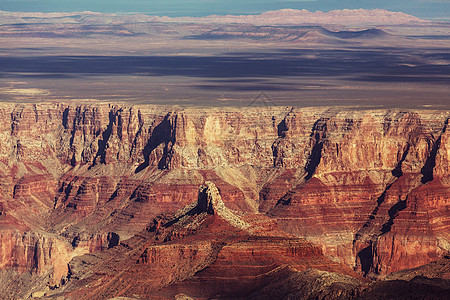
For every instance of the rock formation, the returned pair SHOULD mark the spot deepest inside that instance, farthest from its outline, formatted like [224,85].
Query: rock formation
[369,188]
[202,250]
[209,200]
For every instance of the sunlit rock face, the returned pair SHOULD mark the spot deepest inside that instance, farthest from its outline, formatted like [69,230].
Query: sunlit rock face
[370,188]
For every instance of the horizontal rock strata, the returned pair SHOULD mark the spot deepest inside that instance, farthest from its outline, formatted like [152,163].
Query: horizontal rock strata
[369,187]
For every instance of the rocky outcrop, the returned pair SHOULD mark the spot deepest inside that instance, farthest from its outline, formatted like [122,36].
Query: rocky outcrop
[210,201]
[386,170]
[201,250]
[431,281]
[41,254]
[369,187]
[310,284]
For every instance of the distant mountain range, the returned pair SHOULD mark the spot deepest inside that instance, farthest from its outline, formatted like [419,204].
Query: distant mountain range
[293,16]
[279,17]
[314,34]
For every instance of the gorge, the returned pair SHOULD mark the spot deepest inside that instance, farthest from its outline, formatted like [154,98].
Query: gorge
[103,200]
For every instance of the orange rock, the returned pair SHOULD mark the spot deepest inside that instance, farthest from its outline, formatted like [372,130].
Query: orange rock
[370,188]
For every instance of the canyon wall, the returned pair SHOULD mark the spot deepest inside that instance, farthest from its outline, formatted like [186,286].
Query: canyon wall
[370,187]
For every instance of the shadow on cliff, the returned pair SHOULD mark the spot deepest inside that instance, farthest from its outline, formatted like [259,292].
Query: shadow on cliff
[161,134]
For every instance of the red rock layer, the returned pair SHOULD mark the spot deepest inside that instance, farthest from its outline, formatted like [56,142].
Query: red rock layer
[192,252]
[245,267]
[39,253]
[361,184]
[359,178]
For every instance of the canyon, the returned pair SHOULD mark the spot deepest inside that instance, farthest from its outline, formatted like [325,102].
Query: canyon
[285,155]
[102,200]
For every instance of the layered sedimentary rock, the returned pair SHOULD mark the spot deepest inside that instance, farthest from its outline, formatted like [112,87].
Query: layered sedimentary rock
[202,250]
[368,187]
[361,175]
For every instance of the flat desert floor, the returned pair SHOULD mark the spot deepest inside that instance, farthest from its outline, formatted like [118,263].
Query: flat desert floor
[190,64]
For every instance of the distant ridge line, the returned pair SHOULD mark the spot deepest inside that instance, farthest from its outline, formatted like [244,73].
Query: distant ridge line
[277,17]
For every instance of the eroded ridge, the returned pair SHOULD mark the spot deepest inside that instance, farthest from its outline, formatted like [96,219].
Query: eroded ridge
[85,178]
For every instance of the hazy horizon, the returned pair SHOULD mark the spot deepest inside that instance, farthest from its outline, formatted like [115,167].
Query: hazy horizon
[427,9]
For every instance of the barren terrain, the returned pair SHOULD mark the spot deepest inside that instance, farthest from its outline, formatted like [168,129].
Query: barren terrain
[286,155]
[400,62]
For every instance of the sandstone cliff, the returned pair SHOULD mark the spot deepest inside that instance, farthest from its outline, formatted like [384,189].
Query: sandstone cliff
[371,188]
